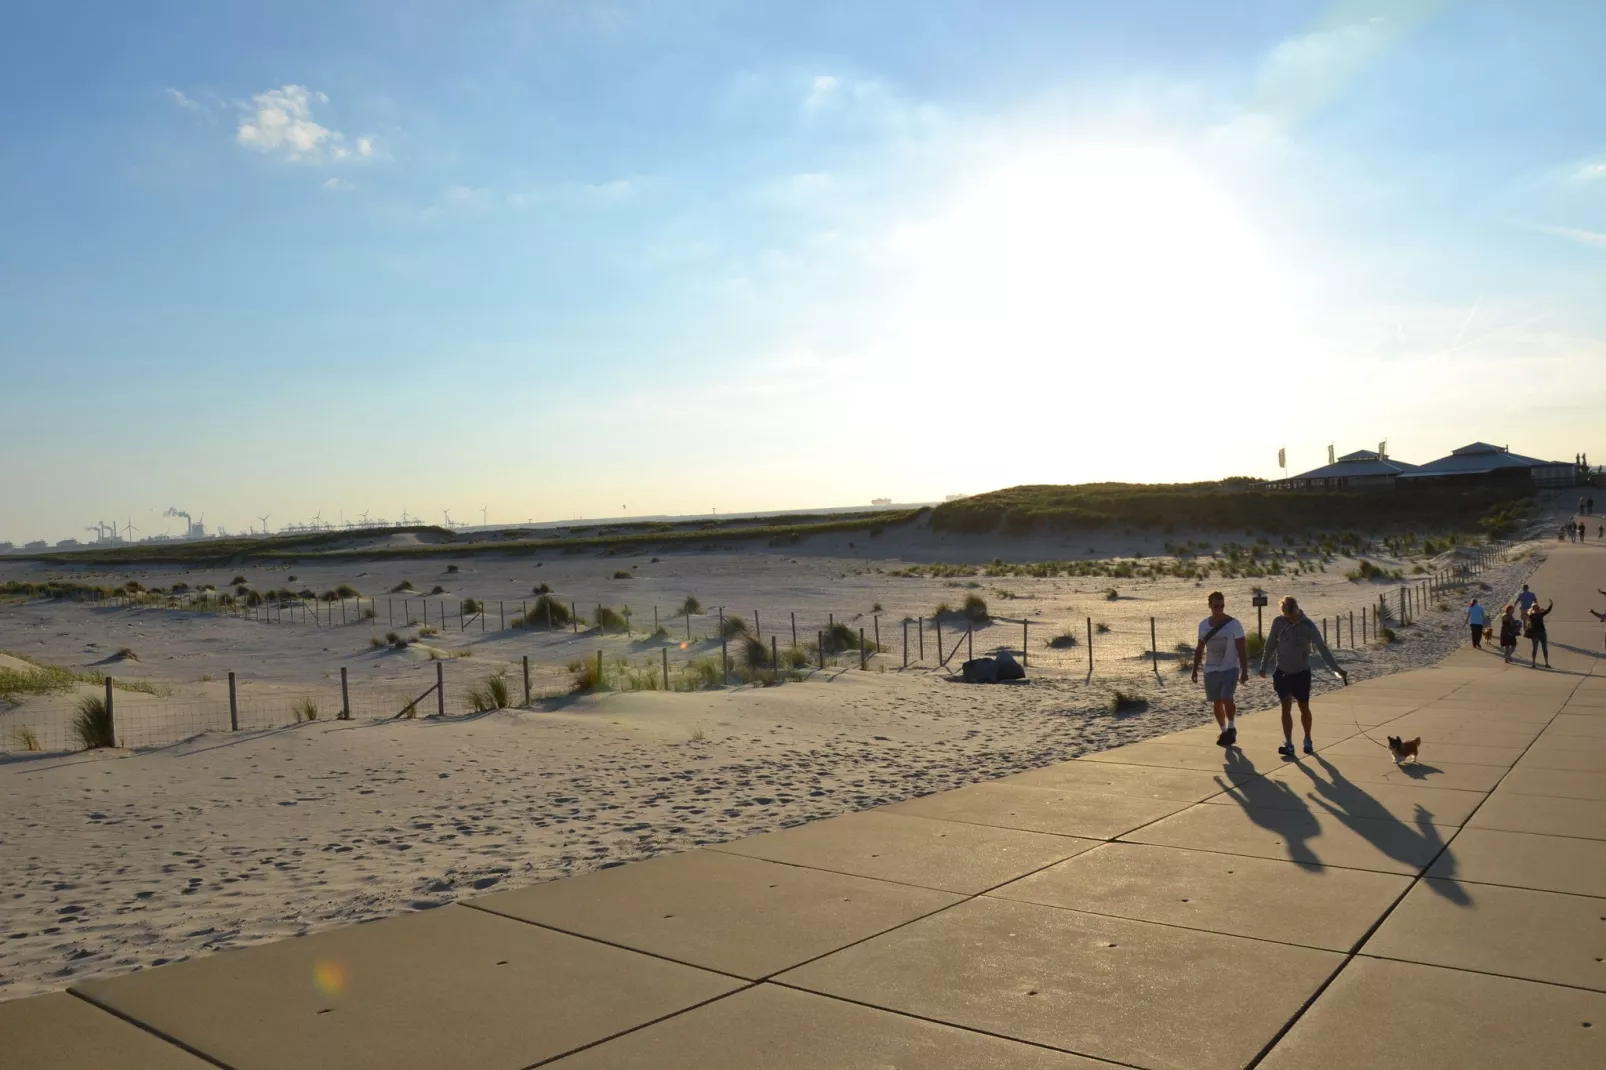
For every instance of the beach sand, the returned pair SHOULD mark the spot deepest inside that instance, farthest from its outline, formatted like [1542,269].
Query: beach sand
[112,861]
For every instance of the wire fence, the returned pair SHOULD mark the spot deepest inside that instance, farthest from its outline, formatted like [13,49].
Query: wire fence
[534,655]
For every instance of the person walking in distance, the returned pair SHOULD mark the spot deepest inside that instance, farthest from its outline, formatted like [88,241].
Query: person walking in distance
[1535,631]
[1510,628]
[1476,620]
[1222,647]
[1288,648]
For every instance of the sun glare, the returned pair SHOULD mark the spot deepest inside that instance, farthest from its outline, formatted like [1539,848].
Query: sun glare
[1098,256]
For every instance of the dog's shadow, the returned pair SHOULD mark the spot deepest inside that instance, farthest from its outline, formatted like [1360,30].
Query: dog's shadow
[1418,770]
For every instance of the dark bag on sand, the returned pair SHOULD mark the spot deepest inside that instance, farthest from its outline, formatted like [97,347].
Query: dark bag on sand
[980,671]
[1009,668]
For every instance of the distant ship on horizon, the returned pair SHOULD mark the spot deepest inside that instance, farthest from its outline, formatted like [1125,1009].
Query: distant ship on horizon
[880,501]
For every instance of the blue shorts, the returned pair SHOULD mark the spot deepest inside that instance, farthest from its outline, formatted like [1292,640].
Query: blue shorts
[1221,684]
[1294,685]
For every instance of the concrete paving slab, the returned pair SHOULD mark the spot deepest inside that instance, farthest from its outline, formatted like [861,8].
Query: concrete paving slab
[1457,753]
[1542,936]
[1175,756]
[1065,813]
[1563,759]
[1561,783]
[1146,995]
[952,856]
[771,1027]
[1572,724]
[1317,906]
[1403,1016]
[1543,814]
[1428,773]
[1524,860]
[1313,836]
[1110,778]
[1445,806]
[724,912]
[63,1032]
[447,987]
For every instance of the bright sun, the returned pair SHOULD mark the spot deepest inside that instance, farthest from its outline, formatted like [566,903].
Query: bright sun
[1096,258]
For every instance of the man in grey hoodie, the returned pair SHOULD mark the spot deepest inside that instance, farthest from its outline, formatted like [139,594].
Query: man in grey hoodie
[1288,648]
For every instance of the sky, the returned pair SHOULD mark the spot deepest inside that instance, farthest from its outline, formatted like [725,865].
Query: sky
[539,259]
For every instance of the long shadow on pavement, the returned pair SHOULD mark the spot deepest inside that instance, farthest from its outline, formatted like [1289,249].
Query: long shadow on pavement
[1266,803]
[1353,806]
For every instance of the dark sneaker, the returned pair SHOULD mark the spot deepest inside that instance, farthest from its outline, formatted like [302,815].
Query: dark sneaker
[1222,741]
[1309,749]
[1286,750]
[1232,737]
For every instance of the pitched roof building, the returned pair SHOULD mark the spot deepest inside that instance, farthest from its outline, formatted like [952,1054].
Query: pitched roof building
[1482,459]
[1361,469]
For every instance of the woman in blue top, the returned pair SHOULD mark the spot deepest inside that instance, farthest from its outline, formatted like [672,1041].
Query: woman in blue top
[1476,620]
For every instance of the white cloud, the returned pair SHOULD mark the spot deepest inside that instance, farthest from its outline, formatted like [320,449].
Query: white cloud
[1576,234]
[185,102]
[1593,171]
[280,122]
[338,184]
[620,189]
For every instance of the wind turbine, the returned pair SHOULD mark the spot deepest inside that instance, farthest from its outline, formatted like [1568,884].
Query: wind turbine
[365,518]
[483,515]
[447,513]
[128,529]
[317,520]
[264,519]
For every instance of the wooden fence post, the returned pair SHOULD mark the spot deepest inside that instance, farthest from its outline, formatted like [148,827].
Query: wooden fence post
[821,641]
[526,679]
[758,633]
[109,715]
[345,696]
[665,652]
[775,655]
[920,628]
[861,650]
[1154,647]
[1025,640]
[724,659]
[1090,646]
[877,620]
[440,685]
[234,707]
[574,617]
[794,628]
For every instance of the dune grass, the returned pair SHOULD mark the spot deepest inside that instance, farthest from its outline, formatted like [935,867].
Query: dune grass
[92,725]
[1126,702]
[490,694]
[305,710]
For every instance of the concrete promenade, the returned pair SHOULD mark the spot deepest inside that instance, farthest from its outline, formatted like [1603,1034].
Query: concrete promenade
[1165,904]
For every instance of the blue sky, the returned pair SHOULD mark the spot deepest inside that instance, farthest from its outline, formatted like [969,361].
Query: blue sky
[609,258]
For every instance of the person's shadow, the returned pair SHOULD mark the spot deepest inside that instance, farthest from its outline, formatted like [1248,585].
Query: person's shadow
[1266,802]
[1415,845]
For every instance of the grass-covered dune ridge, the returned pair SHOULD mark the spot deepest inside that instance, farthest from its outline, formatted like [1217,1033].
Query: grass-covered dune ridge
[362,544]
[1232,505]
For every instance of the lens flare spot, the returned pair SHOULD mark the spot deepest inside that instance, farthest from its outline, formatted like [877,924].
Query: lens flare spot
[329,977]
[683,646]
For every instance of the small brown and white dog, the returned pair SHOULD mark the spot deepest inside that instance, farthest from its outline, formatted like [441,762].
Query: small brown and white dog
[1403,749]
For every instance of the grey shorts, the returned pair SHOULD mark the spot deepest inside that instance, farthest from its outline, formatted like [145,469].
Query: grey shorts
[1221,686]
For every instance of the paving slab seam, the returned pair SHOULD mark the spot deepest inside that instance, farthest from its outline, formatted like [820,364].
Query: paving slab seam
[157,1033]
[1487,973]
[909,884]
[1103,1060]
[644,1025]
[1354,952]
[1192,928]
[609,943]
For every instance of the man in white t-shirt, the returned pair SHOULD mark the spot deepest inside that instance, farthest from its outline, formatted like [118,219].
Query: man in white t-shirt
[1225,655]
